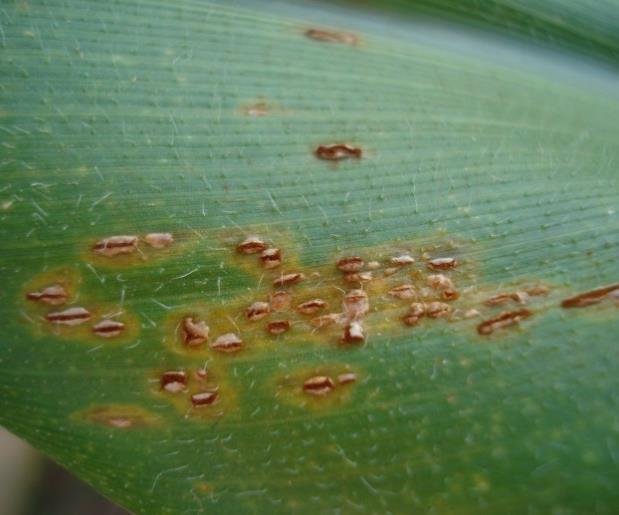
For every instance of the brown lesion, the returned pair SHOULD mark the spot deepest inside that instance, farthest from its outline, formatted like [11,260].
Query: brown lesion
[318,388]
[261,107]
[135,249]
[54,288]
[332,36]
[118,416]
[201,391]
[591,297]
[338,151]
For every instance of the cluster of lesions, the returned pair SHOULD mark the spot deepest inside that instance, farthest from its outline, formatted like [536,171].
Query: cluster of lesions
[126,250]
[195,391]
[55,303]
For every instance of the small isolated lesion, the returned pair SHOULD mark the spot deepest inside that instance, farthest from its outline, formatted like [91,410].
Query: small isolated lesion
[118,416]
[332,36]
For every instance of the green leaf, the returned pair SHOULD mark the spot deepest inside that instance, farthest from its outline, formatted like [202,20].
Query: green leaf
[203,120]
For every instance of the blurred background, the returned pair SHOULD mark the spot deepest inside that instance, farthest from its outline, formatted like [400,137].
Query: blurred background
[31,484]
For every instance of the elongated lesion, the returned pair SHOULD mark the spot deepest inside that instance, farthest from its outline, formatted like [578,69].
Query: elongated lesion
[591,297]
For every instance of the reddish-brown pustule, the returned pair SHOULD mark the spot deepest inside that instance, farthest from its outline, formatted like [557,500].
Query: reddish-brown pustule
[328,36]
[115,245]
[257,311]
[337,152]
[416,311]
[108,328]
[71,316]
[276,327]
[173,381]
[195,333]
[318,385]
[326,320]
[439,281]
[347,378]
[402,260]
[358,277]
[288,279]
[280,300]
[505,319]
[53,295]
[227,343]
[445,263]
[436,309]
[355,304]
[311,307]
[450,294]
[201,399]
[271,258]
[159,240]
[590,297]
[353,333]
[251,245]
[350,264]
[519,297]
[404,291]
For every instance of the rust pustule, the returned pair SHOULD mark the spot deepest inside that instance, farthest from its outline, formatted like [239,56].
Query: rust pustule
[195,333]
[347,378]
[318,385]
[355,304]
[404,291]
[108,328]
[257,311]
[276,327]
[119,422]
[337,152]
[159,240]
[280,300]
[436,309]
[201,399]
[402,260]
[201,374]
[358,277]
[416,311]
[590,297]
[537,291]
[444,263]
[505,319]
[271,258]
[350,264]
[326,320]
[449,294]
[71,316]
[328,36]
[228,343]
[173,381]
[257,109]
[353,333]
[115,245]
[311,306]
[288,279]
[251,245]
[520,297]
[53,295]
[439,281]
